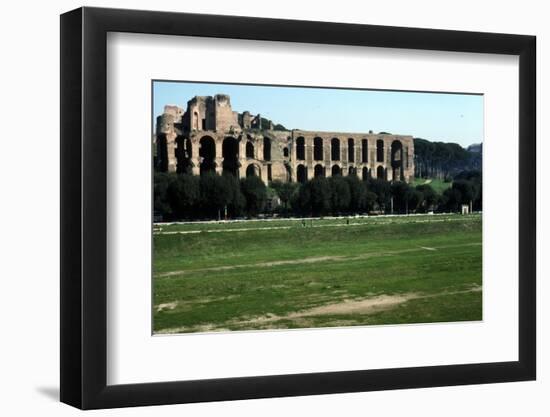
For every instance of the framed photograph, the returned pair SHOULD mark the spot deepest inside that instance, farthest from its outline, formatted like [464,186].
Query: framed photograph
[257,208]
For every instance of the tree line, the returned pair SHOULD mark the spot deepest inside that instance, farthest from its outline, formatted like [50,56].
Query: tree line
[444,160]
[212,196]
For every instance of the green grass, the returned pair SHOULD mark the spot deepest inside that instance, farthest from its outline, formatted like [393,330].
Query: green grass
[272,274]
[438,185]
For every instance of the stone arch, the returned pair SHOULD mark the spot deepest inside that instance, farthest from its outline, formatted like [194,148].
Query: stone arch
[351,150]
[380,173]
[207,153]
[183,155]
[301,149]
[267,149]
[352,171]
[301,173]
[230,153]
[365,173]
[365,151]
[253,170]
[336,170]
[397,160]
[249,149]
[162,153]
[317,149]
[335,149]
[379,150]
[318,171]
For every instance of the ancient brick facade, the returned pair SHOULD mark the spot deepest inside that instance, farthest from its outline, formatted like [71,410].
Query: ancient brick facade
[210,136]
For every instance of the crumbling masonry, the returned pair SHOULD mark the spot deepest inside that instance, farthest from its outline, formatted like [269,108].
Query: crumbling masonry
[210,136]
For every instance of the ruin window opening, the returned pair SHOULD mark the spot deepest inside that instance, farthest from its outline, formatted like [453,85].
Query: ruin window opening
[300,149]
[249,150]
[301,173]
[351,150]
[183,155]
[380,173]
[365,151]
[318,149]
[267,149]
[335,149]
[318,171]
[207,152]
[379,150]
[230,153]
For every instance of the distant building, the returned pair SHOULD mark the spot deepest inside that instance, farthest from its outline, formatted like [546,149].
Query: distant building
[210,136]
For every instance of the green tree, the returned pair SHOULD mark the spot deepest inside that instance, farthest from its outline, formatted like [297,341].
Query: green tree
[214,194]
[358,194]
[402,195]
[320,196]
[284,190]
[340,194]
[382,190]
[161,183]
[429,196]
[254,191]
[183,195]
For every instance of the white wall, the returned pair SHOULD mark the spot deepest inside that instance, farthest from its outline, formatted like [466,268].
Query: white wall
[29,220]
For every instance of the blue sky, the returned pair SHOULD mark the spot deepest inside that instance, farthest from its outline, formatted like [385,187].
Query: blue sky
[434,116]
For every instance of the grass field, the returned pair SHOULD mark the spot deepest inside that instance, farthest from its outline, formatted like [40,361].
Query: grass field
[438,185]
[280,274]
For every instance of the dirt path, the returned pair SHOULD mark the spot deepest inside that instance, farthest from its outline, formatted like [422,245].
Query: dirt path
[309,260]
[349,306]
[374,222]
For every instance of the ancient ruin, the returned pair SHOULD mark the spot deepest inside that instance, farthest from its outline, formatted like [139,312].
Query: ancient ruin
[210,136]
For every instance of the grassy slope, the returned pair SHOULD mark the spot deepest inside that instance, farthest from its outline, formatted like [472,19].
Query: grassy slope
[438,185]
[376,256]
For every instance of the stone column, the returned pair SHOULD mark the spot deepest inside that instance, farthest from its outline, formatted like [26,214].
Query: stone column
[219,155]
[195,164]
[292,161]
[171,152]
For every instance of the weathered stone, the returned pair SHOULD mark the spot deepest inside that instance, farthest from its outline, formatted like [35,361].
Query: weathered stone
[216,138]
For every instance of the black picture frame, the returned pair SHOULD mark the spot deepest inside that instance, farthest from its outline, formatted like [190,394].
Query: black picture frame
[84,207]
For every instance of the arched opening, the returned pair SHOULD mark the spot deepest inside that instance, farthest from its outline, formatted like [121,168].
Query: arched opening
[365,151]
[301,173]
[267,149]
[365,174]
[300,149]
[162,153]
[318,149]
[207,153]
[230,153]
[335,149]
[380,174]
[318,171]
[336,170]
[379,150]
[397,160]
[351,150]
[249,150]
[183,155]
[352,171]
[253,170]
[285,152]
